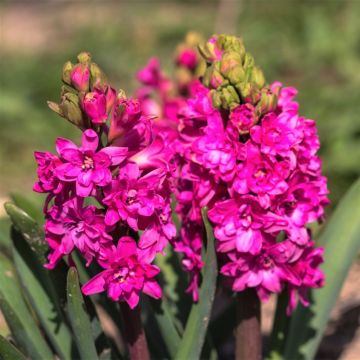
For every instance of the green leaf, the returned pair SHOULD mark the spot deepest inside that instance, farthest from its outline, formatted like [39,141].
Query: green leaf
[341,240]
[198,321]
[33,207]
[8,351]
[17,315]
[29,229]
[39,288]
[166,325]
[79,318]
[5,242]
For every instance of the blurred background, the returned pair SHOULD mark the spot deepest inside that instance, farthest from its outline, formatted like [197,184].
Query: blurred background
[313,45]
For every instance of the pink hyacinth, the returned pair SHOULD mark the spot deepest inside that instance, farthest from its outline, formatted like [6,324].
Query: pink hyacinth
[86,166]
[266,184]
[70,226]
[132,196]
[125,275]
[48,182]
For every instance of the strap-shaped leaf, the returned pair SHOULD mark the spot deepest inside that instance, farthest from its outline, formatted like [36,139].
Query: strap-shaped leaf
[29,229]
[166,324]
[5,242]
[32,206]
[341,240]
[8,351]
[36,281]
[79,318]
[17,315]
[198,321]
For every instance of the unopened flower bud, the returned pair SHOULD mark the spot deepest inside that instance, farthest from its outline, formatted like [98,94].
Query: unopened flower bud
[212,77]
[188,58]
[66,77]
[55,107]
[84,58]
[126,114]
[248,61]
[230,98]
[110,94]
[226,97]
[257,77]
[210,51]
[80,76]
[70,109]
[98,78]
[229,59]
[267,103]
[94,105]
[236,74]
[216,98]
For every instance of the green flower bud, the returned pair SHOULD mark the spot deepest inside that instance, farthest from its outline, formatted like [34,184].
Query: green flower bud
[67,68]
[248,61]
[213,78]
[236,74]
[55,107]
[267,103]
[97,76]
[70,109]
[229,97]
[121,95]
[84,58]
[257,76]
[229,60]
[216,98]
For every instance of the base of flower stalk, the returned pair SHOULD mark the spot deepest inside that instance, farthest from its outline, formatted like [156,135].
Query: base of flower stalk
[248,329]
[134,332]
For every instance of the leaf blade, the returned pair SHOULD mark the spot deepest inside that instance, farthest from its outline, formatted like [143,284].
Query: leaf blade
[17,315]
[79,319]
[8,351]
[198,321]
[39,288]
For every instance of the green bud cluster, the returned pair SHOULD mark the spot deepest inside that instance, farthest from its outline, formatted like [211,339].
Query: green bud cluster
[232,75]
[73,92]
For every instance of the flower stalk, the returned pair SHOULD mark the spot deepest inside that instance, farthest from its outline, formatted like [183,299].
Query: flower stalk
[134,333]
[248,329]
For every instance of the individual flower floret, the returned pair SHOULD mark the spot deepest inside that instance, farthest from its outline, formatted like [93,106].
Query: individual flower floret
[85,165]
[70,226]
[125,275]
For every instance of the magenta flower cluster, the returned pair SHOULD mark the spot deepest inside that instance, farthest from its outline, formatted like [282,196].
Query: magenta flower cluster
[102,193]
[261,179]
[246,154]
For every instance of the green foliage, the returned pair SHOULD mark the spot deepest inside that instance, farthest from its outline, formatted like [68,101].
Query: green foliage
[8,351]
[45,321]
[79,318]
[199,318]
